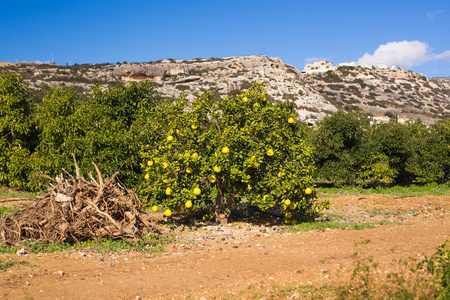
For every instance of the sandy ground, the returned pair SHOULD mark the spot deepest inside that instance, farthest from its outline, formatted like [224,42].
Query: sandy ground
[240,261]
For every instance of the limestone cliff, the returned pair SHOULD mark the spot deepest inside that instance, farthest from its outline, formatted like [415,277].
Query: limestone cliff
[315,95]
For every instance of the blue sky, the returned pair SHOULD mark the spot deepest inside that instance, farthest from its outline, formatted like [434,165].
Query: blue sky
[407,33]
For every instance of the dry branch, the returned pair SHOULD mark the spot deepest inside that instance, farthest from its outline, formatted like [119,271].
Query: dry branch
[74,209]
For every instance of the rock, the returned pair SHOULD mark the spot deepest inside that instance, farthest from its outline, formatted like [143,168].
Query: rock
[236,65]
[22,251]
[315,95]
[175,71]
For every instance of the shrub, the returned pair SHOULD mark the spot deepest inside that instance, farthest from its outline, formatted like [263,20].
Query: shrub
[338,140]
[16,135]
[360,82]
[331,76]
[106,129]
[439,265]
[182,87]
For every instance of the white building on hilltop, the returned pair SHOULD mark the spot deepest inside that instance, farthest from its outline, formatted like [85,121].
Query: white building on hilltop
[318,66]
[366,66]
[381,66]
[347,64]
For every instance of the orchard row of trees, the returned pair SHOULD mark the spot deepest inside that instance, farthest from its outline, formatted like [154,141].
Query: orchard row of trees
[108,129]
[350,151]
[208,153]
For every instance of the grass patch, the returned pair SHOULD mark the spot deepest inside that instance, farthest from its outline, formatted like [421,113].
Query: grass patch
[8,264]
[9,193]
[150,243]
[7,210]
[385,212]
[8,250]
[311,226]
[399,191]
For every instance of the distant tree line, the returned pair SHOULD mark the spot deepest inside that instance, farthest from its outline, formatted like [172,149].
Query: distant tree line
[349,151]
[111,125]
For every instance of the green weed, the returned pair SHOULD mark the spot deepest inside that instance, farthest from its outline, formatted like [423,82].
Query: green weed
[408,280]
[8,250]
[6,192]
[310,226]
[7,210]
[8,264]
[399,191]
[439,266]
[150,243]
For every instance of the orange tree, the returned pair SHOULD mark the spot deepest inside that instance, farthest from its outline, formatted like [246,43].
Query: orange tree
[215,153]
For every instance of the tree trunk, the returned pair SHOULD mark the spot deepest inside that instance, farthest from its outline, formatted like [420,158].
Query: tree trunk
[230,200]
[221,218]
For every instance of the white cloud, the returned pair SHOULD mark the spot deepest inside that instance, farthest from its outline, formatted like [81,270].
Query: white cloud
[38,62]
[443,56]
[405,54]
[434,14]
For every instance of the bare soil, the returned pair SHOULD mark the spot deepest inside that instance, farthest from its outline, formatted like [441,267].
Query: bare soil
[243,260]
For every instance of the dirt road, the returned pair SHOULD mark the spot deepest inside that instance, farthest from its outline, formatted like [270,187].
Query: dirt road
[241,261]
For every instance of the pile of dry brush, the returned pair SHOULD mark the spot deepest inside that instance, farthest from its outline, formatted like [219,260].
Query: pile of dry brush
[74,209]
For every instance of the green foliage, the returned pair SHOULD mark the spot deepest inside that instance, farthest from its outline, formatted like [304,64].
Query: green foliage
[242,147]
[377,169]
[360,82]
[431,161]
[6,210]
[150,243]
[124,102]
[183,87]
[400,191]
[338,142]
[397,142]
[60,133]
[18,166]
[439,265]
[331,76]
[15,106]
[15,124]
[105,129]
[8,264]
[8,249]
[349,151]
[112,124]
[310,226]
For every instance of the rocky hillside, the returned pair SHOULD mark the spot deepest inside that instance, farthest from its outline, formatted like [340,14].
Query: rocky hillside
[394,91]
[386,91]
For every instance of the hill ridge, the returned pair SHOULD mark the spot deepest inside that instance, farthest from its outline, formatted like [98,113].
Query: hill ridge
[315,95]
